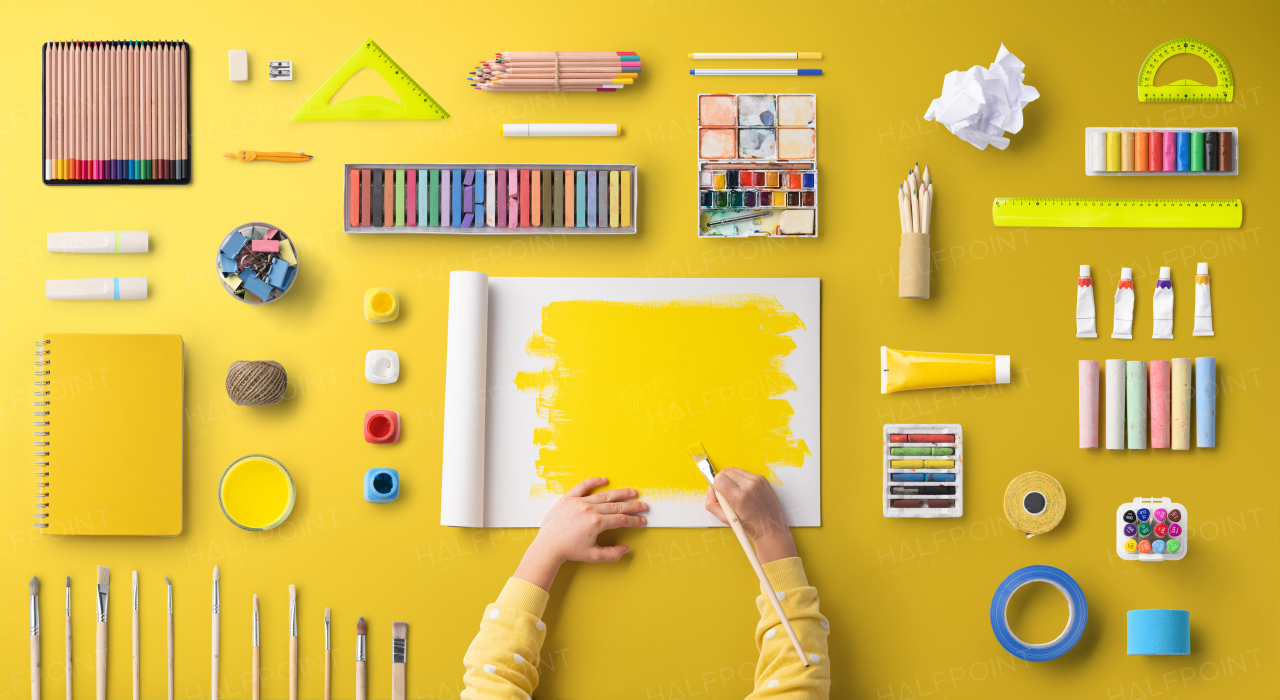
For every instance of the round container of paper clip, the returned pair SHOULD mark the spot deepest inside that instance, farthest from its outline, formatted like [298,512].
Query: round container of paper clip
[256,493]
[256,263]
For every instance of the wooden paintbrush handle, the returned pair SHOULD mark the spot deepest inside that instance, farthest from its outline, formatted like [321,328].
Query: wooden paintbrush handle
[397,681]
[736,524]
[102,661]
[293,668]
[213,662]
[170,659]
[361,681]
[328,673]
[70,666]
[137,663]
[35,667]
[256,688]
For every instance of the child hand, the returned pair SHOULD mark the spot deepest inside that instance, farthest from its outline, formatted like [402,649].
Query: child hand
[758,509]
[570,527]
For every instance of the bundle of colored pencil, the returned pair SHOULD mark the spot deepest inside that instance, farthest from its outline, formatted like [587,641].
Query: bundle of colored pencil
[116,111]
[557,71]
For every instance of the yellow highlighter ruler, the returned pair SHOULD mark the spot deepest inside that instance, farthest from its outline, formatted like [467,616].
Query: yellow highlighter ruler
[1117,213]
[1185,90]
[415,103]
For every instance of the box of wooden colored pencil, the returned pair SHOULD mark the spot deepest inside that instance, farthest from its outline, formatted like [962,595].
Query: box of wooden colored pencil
[757,165]
[116,113]
[923,470]
[489,198]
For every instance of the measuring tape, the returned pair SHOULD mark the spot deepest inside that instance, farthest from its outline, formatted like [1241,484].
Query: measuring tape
[415,103]
[1117,213]
[1185,90]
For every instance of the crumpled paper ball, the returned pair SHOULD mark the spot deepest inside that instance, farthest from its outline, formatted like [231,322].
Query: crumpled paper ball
[980,104]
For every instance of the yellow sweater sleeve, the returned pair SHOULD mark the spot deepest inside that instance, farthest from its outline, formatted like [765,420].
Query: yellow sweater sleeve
[502,661]
[779,672]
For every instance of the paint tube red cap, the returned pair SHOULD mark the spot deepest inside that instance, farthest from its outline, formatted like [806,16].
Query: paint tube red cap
[1002,369]
[1084,271]
[1202,268]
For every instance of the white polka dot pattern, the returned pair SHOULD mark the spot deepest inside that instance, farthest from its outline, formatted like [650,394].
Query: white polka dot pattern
[782,594]
[493,614]
[774,683]
[814,658]
[490,668]
[541,626]
[519,659]
[770,633]
[825,624]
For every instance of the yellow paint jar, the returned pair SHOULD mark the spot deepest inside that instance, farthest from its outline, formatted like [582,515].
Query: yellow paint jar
[381,304]
[256,493]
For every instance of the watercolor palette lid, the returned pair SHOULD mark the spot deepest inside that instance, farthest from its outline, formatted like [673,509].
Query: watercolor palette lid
[757,126]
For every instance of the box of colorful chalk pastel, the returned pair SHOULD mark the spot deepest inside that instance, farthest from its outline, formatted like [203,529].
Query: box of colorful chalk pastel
[1139,151]
[923,470]
[757,165]
[1151,529]
[489,198]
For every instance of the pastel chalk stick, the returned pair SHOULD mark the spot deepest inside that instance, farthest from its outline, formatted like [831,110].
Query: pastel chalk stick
[592,198]
[1206,402]
[580,199]
[456,203]
[624,198]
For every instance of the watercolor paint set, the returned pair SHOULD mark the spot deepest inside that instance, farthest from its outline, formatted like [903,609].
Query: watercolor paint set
[757,165]
[489,198]
[923,470]
[1132,151]
[1151,529]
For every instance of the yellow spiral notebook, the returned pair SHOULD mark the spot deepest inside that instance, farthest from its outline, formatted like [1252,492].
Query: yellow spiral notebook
[108,434]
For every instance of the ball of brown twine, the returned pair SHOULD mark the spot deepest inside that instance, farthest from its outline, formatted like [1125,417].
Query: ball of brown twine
[256,383]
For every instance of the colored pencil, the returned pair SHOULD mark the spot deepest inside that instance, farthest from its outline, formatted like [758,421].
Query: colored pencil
[115,112]
[557,71]
[766,56]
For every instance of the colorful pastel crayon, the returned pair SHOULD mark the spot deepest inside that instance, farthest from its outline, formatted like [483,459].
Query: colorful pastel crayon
[376,196]
[570,203]
[1115,404]
[592,198]
[388,197]
[1113,151]
[1159,378]
[1206,402]
[439,213]
[1225,155]
[1197,151]
[353,198]
[1126,151]
[1088,403]
[1136,405]
[513,198]
[922,477]
[1170,157]
[535,198]
[495,215]
[1180,388]
[1155,152]
[557,198]
[602,189]
[1140,157]
[624,193]
[1184,151]
[366,196]
[424,196]
[1211,152]
[455,206]
[922,451]
[613,199]
[400,195]
[580,199]
[478,198]
[549,196]
[524,197]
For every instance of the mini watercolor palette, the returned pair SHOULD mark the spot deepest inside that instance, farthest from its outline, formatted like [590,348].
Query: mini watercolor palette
[923,470]
[1151,529]
[757,165]
[1138,151]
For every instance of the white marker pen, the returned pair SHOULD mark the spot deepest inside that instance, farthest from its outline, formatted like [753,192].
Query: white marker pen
[560,130]
[96,288]
[98,242]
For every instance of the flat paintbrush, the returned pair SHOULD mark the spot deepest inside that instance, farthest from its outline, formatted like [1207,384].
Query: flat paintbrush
[137,663]
[169,584]
[328,672]
[293,642]
[69,667]
[399,637]
[361,675]
[699,455]
[217,635]
[104,588]
[256,689]
[35,638]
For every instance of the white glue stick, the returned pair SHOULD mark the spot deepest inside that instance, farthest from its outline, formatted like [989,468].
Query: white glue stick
[1086,315]
[1162,307]
[560,130]
[1115,404]
[1204,309]
[98,242]
[97,288]
[1123,320]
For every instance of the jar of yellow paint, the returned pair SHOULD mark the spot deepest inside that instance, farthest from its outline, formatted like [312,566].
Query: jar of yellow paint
[381,304]
[256,493]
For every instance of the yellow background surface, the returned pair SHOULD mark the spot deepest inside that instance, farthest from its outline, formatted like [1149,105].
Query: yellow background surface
[908,599]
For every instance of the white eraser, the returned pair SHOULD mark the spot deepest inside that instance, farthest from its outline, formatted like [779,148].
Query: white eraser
[237,64]
[1084,271]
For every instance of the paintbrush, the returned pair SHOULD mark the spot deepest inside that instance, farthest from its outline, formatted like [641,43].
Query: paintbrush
[35,638]
[137,672]
[361,678]
[399,635]
[699,455]
[255,689]
[217,633]
[328,673]
[69,667]
[104,588]
[293,643]
[169,585]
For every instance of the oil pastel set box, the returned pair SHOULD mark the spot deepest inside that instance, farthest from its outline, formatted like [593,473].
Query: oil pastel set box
[923,470]
[757,165]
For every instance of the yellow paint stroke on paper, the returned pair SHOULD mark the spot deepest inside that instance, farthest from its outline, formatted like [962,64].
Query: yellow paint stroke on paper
[631,385]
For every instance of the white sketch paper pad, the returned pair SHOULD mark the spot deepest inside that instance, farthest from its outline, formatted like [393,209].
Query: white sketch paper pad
[487,482]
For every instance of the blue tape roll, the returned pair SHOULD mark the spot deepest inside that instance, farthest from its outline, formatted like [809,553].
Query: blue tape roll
[1077,613]
[1159,632]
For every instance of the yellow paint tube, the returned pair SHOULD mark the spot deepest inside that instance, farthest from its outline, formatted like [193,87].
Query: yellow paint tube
[902,370]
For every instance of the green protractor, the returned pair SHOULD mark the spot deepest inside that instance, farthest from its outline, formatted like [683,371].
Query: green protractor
[1185,90]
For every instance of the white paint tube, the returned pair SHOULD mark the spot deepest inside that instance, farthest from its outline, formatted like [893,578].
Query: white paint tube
[1086,314]
[1204,310]
[1123,319]
[1162,307]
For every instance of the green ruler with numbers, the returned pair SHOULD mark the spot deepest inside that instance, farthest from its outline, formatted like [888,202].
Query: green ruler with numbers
[1117,213]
